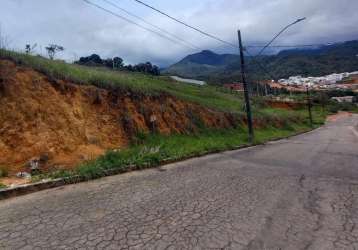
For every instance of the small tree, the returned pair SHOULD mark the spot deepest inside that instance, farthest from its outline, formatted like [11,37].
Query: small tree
[29,49]
[108,63]
[117,62]
[92,60]
[155,70]
[52,49]
[129,67]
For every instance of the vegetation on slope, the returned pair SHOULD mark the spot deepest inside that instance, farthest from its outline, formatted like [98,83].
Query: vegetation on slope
[151,149]
[127,81]
[66,123]
[154,150]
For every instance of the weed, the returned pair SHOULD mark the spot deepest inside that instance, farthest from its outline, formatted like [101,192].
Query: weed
[4,171]
[139,138]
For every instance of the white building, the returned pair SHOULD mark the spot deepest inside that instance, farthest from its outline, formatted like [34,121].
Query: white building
[342,99]
[311,81]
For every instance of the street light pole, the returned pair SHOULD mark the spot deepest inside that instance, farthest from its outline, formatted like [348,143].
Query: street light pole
[246,91]
[278,34]
[243,77]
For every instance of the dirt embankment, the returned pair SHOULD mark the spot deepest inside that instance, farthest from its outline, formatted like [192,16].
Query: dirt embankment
[285,105]
[340,115]
[64,123]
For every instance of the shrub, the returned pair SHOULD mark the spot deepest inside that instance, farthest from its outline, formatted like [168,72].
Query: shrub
[4,171]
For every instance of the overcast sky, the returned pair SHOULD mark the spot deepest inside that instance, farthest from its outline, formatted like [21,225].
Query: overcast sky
[83,29]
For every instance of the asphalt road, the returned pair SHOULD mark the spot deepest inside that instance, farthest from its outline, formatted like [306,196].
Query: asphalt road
[300,193]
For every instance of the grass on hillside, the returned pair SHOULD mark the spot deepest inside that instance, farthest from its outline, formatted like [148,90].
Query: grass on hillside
[152,150]
[155,149]
[208,96]
[2,186]
[132,81]
[4,171]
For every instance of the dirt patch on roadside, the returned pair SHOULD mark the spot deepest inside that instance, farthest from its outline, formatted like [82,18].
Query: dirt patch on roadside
[338,116]
[13,181]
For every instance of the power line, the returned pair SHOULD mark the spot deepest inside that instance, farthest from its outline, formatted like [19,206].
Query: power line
[134,23]
[163,36]
[288,46]
[263,68]
[212,36]
[187,25]
[150,24]
[270,42]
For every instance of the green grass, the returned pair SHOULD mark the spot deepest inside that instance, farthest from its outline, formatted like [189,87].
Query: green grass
[140,83]
[155,150]
[128,81]
[2,186]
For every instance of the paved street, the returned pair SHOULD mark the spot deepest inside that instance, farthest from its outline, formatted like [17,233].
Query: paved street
[300,193]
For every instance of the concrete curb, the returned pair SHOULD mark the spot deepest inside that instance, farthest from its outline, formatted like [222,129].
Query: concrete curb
[49,184]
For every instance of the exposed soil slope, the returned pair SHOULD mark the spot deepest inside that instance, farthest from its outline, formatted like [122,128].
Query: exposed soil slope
[285,105]
[64,123]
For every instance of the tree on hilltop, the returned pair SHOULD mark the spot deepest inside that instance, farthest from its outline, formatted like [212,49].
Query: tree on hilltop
[52,49]
[29,49]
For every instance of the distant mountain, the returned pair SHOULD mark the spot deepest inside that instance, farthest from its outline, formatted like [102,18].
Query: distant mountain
[201,65]
[208,57]
[207,65]
[338,49]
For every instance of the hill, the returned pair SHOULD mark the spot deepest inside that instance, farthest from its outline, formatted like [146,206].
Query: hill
[68,113]
[207,65]
[201,65]
[64,116]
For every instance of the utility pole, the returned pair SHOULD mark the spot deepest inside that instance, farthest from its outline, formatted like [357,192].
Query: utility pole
[246,91]
[309,104]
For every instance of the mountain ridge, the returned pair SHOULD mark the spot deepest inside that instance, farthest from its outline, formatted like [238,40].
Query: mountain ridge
[210,66]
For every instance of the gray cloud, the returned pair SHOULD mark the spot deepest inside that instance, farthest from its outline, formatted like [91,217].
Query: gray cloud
[82,29]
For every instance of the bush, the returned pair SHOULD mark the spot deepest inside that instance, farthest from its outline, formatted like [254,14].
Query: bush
[347,106]
[4,171]
[334,107]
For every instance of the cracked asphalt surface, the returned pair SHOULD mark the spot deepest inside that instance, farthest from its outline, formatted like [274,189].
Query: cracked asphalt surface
[299,193]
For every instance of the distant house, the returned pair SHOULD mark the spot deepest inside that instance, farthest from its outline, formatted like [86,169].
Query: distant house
[191,81]
[234,86]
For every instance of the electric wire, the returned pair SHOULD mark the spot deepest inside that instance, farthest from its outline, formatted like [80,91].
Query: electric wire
[187,25]
[213,36]
[151,24]
[187,44]
[134,23]
[289,46]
